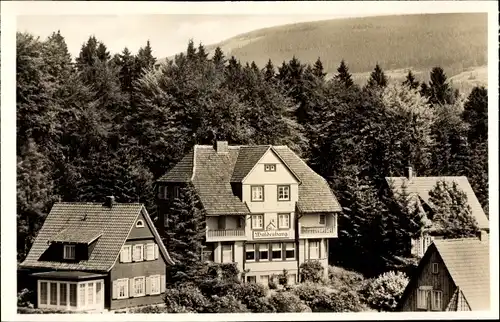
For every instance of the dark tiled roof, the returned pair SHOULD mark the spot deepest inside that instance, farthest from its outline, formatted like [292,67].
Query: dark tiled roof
[75,234]
[114,223]
[420,186]
[214,172]
[182,171]
[212,181]
[468,262]
[315,194]
[248,156]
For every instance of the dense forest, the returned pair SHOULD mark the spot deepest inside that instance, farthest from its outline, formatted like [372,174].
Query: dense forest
[105,124]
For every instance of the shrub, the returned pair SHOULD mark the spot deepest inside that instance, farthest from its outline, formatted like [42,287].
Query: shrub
[273,285]
[27,310]
[321,298]
[284,301]
[225,304]
[185,299]
[26,298]
[283,278]
[340,278]
[150,309]
[311,271]
[384,292]
[253,295]
[345,300]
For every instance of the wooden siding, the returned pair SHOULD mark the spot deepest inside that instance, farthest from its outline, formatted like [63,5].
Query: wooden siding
[140,233]
[441,281]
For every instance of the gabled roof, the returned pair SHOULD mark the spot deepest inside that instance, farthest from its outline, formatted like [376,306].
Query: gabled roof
[468,262]
[420,186]
[212,174]
[86,221]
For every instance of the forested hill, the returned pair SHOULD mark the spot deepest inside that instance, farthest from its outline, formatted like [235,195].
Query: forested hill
[457,42]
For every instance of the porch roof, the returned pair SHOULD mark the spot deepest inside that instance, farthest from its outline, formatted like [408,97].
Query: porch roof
[68,275]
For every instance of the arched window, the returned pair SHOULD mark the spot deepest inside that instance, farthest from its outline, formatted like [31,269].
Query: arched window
[139,223]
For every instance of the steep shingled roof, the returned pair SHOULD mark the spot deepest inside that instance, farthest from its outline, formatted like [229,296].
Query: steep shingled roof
[214,172]
[112,224]
[468,262]
[422,185]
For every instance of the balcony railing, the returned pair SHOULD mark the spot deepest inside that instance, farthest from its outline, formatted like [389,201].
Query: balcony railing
[225,233]
[317,230]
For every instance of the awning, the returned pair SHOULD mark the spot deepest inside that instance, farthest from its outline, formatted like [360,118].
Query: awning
[68,275]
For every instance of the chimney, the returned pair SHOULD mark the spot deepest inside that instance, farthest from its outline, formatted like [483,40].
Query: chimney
[110,201]
[222,147]
[409,172]
[483,235]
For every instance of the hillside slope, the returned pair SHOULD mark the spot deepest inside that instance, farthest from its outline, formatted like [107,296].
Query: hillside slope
[456,42]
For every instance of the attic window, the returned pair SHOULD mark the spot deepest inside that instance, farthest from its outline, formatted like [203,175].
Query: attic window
[270,167]
[435,268]
[139,224]
[69,252]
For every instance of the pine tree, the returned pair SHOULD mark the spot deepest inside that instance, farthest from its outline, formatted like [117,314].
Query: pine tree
[476,114]
[440,92]
[127,70]
[144,59]
[103,53]
[343,75]
[377,78]
[269,72]
[318,70]
[191,51]
[452,214]
[185,236]
[410,81]
[219,58]
[202,54]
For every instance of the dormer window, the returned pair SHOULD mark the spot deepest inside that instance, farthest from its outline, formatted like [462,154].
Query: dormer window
[270,167]
[69,252]
[139,224]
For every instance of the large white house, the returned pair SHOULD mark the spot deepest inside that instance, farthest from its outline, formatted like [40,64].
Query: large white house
[266,209]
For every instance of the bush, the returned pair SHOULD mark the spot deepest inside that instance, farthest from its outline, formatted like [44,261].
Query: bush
[26,298]
[273,285]
[284,301]
[321,298]
[384,292]
[185,299]
[27,310]
[345,300]
[253,295]
[311,271]
[283,278]
[225,304]
[150,309]
[339,278]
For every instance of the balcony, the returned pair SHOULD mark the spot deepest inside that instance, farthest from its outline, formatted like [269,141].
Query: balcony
[318,232]
[225,235]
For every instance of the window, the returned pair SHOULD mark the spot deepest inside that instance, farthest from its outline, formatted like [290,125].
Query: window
[139,224]
[283,193]
[82,295]
[240,223]
[69,252]
[150,252]
[176,192]
[257,222]
[264,279]
[43,292]
[250,252]
[227,253]
[251,279]
[435,268]
[63,294]
[72,295]
[290,251]
[263,252]
[98,291]
[322,219]
[155,284]
[276,251]
[122,288]
[422,296]
[314,249]
[90,293]
[269,167]
[53,293]
[258,193]
[138,253]
[437,300]
[284,221]
[125,255]
[139,289]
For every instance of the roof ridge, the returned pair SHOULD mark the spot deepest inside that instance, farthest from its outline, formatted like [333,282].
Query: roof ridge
[98,203]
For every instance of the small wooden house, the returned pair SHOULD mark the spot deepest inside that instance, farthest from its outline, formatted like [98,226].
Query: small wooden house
[453,275]
[95,257]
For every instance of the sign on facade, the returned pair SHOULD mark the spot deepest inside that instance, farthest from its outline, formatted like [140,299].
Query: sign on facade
[285,234]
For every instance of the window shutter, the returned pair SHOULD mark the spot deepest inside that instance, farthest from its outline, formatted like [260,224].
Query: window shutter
[121,255]
[115,290]
[131,289]
[148,285]
[156,251]
[145,252]
[162,284]
[130,251]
